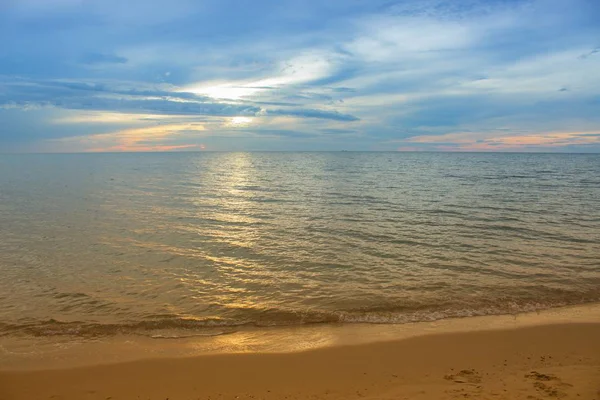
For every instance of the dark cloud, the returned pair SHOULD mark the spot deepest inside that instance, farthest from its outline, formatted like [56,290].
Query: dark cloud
[289,133]
[334,131]
[30,125]
[590,53]
[100,97]
[103,97]
[108,89]
[311,113]
[159,106]
[343,90]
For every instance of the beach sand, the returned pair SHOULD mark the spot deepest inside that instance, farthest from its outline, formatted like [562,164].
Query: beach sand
[532,362]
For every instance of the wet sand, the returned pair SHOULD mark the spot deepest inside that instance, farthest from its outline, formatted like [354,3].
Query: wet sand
[534,362]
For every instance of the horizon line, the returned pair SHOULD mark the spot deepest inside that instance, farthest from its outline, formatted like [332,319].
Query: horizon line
[300,151]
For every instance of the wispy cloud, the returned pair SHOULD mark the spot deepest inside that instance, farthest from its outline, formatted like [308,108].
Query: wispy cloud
[307,113]
[435,74]
[502,141]
[149,138]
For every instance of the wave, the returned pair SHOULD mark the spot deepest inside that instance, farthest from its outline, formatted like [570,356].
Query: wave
[173,327]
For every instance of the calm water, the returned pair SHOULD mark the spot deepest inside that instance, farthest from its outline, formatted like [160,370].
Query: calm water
[205,243]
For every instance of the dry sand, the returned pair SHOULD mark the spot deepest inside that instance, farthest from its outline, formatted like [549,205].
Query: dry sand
[538,362]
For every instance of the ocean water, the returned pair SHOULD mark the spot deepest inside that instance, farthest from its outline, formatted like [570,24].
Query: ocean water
[179,244]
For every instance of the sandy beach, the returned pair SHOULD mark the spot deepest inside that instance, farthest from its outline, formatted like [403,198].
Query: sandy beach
[299,199]
[548,360]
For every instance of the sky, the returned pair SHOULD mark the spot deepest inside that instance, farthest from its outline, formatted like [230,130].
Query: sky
[233,75]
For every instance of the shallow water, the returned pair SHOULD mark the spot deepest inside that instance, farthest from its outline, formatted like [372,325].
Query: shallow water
[180,244]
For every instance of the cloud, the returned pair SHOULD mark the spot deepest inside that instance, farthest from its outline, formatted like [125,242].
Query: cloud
[590,53]
[148,138]
[88,96]
[504,141]
[75,95]
[308,113]
[311,74]
[335,131]
[71,88]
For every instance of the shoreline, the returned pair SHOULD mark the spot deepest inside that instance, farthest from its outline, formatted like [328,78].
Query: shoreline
[38,353]
[556,360]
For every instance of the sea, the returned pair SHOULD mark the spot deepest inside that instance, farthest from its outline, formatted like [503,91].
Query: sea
[178,244]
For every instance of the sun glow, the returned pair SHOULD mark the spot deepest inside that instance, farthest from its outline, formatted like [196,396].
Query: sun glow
[225,91]
[238,121]
[304,68]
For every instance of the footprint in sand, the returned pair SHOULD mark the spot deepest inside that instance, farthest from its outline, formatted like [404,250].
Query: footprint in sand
[540,377]
[550,385]
[464,376]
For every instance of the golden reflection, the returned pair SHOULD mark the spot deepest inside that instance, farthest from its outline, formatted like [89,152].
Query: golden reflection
[235,201]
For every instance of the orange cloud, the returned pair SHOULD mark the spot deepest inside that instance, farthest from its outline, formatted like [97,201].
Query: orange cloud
[136,139]
[108,118]
[409,148]
[122,148]
[473,141]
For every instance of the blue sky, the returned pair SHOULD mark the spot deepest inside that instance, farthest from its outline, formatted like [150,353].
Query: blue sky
[463,75]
